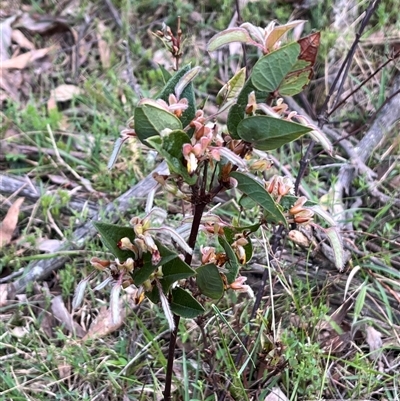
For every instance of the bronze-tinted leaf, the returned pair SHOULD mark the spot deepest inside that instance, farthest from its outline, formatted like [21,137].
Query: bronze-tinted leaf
[309,46]
[300,75]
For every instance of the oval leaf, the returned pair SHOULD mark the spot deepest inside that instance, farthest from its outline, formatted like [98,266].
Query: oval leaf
[270,70]
[228,36]
[279,30]
[151,120]
[209,281]
[173,271]
[267,133]
[141,274]
[184,305]
[111,234]
[257,192]
[230,91]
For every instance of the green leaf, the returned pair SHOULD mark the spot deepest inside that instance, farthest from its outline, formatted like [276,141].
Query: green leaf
[185,81]
[267,133]
[271,69]
[294,84]
[246,203]
[227,36]
[231,90]
[154,295]
[172,82]
[170,147]
[258,193]
[175,270]
[151,120]
[183,304]
[233,264]
[209,281]
[141,274]
[237,111]
[111,234]
[165,73]
[187,93]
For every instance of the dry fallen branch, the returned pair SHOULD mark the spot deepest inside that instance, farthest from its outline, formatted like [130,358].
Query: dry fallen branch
[24,187]
[41,269]
[377,133]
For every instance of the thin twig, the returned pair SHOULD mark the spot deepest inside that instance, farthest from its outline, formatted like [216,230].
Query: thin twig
[347,62]
[83,181]
[380,68]
[117,17]
[244,52]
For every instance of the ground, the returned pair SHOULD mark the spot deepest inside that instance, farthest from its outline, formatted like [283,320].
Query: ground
[70,74]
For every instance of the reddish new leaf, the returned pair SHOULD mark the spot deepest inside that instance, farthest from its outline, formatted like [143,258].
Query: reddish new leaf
[309,46]
[300,75]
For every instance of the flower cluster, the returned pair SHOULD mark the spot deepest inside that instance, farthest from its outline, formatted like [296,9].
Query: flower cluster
[207,144]
[279,186]
[172,42]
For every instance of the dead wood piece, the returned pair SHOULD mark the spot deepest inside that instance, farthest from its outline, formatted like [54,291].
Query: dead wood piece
[11,184]
[379,130]
[41,269]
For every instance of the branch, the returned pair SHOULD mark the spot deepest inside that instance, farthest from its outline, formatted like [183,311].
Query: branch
[24,187]
[41,269]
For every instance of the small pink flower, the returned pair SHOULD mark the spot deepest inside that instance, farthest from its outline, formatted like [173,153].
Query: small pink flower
[238,285]
[207,254]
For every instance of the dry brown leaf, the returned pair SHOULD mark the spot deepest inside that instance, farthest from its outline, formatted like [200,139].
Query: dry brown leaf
[10,84]
[276,394]
[104,324]
[64,370]
[104,48]
[9,223]
[42,24]
[5,38]
[374,340]
[23,60]
[61,313]
[62,93]
[3,294]
[21,40]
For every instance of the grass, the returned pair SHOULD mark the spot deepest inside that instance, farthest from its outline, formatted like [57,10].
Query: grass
[42,360]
